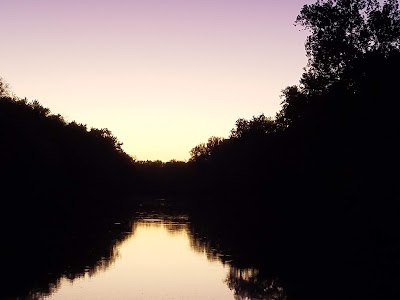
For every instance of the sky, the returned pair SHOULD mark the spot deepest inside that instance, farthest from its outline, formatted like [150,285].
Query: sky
[162,75]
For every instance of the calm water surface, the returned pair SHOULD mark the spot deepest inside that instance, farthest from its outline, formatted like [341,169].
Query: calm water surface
[157,261]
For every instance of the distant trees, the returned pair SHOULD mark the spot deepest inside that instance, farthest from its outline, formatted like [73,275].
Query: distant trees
[257,126]
[205,150]
[159,179]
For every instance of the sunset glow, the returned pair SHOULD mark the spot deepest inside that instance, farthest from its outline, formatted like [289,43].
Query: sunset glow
[162,75]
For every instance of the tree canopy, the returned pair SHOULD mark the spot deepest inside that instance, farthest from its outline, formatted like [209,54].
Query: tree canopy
[350,43]
[4,88]
[343,31]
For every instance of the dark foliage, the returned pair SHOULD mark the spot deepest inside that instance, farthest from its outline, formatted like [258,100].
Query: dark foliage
[48,162]
[321,175]
[62,185]
[312,193]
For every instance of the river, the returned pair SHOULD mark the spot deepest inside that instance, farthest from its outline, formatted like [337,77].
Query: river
[156,262]
[162,258]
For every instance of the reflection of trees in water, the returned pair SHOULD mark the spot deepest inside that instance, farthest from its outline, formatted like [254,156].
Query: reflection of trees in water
[83,250]
[247,284]
[211,239]
[245,280]
[162,212]
[172,227]
[35,266]
[73,273]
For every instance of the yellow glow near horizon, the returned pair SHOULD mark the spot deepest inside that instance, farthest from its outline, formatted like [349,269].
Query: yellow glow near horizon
[163,76]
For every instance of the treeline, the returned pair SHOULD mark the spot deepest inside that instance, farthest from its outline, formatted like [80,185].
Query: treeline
[65,190]
[317,182]
[335,136]
[51,168]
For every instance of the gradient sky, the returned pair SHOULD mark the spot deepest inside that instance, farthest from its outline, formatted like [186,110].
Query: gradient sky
[162,75]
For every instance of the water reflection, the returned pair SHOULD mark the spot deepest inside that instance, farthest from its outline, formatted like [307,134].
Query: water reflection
[158,252]
[156,262]
[167,258]
[246,284]
[245,281]
[39,258]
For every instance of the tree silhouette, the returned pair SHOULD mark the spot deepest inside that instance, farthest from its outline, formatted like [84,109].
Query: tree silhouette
[258,125]
[343,31]
[4,88]
[322,170]
[350,42]
[204,151]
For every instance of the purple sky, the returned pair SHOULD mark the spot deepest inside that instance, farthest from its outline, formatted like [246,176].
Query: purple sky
[162,75]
